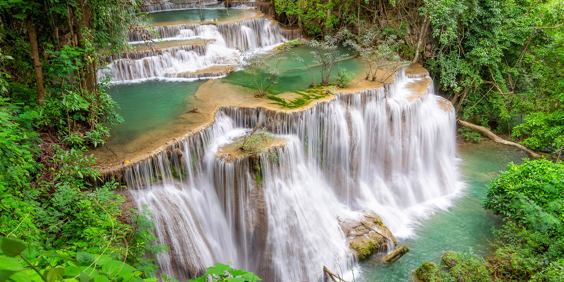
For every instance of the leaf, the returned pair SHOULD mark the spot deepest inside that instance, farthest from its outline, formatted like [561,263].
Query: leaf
[84,258]
[249,276]
[73,271]
[99,278]
[218,269]
[119,269]
[12,247]
[5,274]
[83,277]
[54,274]
[200,279]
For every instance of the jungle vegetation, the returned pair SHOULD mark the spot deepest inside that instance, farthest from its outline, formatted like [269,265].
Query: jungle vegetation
[499,62]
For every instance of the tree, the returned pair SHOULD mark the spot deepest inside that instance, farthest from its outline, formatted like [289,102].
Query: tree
[264,72]
[55,44]
[378,49]
[326,54]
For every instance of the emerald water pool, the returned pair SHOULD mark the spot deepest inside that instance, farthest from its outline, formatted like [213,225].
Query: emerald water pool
[149,105]
[194,15]
[466,226]
[295,73]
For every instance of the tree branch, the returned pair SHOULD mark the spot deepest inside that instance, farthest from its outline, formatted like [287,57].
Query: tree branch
[548,27]
[496,138]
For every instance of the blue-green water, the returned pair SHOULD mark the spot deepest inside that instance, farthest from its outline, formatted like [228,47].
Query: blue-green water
[295,74]
[194,15]
[149,105]
[465,226]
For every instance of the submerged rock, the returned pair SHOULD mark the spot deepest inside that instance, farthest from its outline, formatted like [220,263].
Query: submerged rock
[368,235]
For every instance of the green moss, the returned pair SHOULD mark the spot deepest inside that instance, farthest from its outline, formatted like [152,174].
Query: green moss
[256,143]
[450,259]
[465,267]
[307,96]
[363,248]
[427,272]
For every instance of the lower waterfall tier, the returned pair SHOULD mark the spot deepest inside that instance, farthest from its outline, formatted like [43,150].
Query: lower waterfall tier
[280,213]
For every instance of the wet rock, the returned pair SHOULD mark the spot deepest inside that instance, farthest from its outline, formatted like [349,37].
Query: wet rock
[368,235]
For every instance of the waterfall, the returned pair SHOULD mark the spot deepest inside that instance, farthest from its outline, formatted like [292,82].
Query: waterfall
[165,5]
[223,44]
[278,214]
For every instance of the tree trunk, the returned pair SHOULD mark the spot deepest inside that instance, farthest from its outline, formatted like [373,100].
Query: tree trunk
[496,138]
[36,63]
[421,36]
[85,34]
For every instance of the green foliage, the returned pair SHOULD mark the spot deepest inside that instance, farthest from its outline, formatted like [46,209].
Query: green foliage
[469,135]
[264,73]
[16,147]
[530,245]
[379,48]
[429,272]
[465,266]
[343,78]
[542,131]
[501,60]
[326,54]
[255,143]
[530,193]
[307,96]
[225,273]
[49,266]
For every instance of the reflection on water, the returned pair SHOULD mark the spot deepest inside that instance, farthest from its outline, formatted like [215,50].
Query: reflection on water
[293,73]
[194,15]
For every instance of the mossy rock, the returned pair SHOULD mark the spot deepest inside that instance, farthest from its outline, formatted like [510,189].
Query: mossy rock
[428,271]
[465,267]
[363,247]
[251,146]
[367,234]
[450,259]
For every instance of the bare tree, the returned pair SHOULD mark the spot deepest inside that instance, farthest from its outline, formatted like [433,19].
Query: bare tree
[264,72]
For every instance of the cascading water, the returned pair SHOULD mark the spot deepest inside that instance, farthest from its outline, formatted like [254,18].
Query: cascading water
[200,47]
[278,215]
[164,5]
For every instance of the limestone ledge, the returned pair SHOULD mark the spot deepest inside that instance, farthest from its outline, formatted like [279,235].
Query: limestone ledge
[211,97]
[248,14]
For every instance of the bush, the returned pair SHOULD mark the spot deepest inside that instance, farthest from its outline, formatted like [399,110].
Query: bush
[530,245]
[530,193]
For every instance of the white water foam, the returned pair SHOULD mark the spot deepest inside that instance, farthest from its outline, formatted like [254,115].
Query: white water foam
[372,150]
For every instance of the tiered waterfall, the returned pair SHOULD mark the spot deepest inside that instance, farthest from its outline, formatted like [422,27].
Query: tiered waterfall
[279,215]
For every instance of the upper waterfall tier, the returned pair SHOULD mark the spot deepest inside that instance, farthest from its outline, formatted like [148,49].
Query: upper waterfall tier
[375,149]
[187,49]
[163,5]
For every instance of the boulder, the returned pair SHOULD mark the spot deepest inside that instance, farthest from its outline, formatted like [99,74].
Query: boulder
[368,235]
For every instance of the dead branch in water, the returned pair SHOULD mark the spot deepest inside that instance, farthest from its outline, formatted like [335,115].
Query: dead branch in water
[334,277]
[496,138]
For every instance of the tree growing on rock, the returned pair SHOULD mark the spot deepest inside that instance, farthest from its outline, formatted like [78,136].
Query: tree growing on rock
[264,73]
[378,49]
[326,54]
